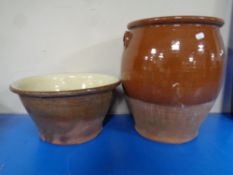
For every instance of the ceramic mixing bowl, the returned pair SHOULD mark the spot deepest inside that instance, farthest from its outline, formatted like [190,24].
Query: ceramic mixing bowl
[67,108]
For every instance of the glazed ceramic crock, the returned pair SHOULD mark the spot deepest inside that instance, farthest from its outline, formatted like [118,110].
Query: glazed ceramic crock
[67,108]
[172,69]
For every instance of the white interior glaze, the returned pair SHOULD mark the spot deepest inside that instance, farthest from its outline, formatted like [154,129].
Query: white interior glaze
[63,82]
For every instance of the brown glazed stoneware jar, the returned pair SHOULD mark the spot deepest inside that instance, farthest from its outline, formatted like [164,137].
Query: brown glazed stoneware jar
[67,108]
[172,69]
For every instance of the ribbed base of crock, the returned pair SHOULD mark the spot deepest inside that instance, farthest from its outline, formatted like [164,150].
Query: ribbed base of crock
[168,124]
[58,140]
[166,139]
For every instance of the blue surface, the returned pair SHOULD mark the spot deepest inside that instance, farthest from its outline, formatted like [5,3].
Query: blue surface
[118,150]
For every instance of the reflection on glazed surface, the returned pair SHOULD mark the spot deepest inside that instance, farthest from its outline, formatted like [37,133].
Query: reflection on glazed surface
[173,65]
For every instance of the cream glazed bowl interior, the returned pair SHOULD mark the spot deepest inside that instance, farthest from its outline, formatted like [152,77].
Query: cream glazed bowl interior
[67,108]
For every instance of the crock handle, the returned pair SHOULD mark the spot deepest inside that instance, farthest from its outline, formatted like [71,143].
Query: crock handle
[126,39]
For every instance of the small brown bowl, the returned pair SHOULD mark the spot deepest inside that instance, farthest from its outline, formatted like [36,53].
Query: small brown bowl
[67,108]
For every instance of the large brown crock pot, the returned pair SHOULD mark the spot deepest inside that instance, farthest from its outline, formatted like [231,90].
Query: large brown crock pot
[172,69]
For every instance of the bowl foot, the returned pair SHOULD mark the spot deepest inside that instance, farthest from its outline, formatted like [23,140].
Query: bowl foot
[64,140]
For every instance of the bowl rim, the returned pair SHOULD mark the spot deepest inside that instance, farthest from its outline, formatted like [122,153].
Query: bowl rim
[168,20]
[63,93]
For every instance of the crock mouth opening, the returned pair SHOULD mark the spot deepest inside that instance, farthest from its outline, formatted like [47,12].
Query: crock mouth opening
[64,84]
[171,20]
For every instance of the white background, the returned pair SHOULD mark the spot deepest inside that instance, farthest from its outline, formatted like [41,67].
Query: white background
[47,36]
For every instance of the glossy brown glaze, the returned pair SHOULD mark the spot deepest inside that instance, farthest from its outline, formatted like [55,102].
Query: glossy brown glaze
[173,61]
[68,117]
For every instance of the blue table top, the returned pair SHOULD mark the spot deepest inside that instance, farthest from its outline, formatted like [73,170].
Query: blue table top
[118,150]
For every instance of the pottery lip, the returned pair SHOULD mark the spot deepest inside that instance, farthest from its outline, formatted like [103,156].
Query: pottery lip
[63,93]
[208,20]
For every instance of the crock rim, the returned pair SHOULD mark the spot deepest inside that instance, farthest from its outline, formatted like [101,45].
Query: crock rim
[207,20]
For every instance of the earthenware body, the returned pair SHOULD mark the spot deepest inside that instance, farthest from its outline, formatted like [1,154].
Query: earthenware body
[172,69]
[66,116]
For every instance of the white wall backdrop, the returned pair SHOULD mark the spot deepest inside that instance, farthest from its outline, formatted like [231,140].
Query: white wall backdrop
[47,36]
